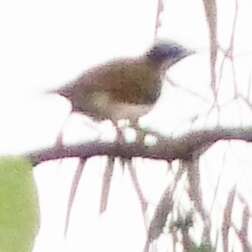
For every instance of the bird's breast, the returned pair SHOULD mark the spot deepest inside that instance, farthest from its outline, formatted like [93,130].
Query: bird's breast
[128,111]
[101,105]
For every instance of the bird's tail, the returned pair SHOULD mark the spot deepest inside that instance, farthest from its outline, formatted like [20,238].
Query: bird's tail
[62,91]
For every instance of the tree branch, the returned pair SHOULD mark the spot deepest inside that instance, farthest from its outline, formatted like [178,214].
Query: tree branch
[167,148]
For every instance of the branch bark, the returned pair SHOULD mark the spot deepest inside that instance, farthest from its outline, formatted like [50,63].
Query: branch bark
[167,148]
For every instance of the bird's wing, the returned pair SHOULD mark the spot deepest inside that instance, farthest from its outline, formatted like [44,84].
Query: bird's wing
[94,79]
[125,80]
[105,77]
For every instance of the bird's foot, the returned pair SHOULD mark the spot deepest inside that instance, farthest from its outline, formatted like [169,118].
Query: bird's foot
[59,140]
[140,135]
[120,136]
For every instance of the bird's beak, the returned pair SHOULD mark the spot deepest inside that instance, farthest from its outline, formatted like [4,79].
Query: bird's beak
[181,55]
[189,52]
[184,53]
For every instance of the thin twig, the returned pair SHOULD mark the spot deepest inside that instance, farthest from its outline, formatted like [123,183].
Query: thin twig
[160,8]
[227,217]
[137,186]
[106,183]
[74,186]
[211,15]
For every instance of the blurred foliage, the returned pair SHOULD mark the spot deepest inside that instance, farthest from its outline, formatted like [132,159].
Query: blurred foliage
[19,208]
[202,248]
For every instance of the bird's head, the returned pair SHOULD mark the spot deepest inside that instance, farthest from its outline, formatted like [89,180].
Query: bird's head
[167,53]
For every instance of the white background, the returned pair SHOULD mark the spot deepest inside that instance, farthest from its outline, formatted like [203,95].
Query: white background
[45,44]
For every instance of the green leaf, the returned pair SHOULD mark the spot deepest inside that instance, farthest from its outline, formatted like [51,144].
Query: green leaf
[202,248]
[19,208]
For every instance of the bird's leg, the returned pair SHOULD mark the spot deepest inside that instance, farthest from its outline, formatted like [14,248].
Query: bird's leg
[120,136]
[140,133]
[59,139]
[119,133]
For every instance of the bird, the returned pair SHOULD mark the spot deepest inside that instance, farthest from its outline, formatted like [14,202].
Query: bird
[124,88]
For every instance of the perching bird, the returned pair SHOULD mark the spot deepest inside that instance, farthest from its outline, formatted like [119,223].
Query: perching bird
[123,88]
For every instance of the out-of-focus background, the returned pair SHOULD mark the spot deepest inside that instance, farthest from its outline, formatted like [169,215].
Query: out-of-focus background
[45,44]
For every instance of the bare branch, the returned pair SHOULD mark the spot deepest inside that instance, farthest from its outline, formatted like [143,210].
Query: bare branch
[187,90]
[160,9]
[106,183]
[229,53]
[164,207]
[137,186]
[243,232]
[195,195]
[167,148]
[75,183]
[211,15]
[226,224]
